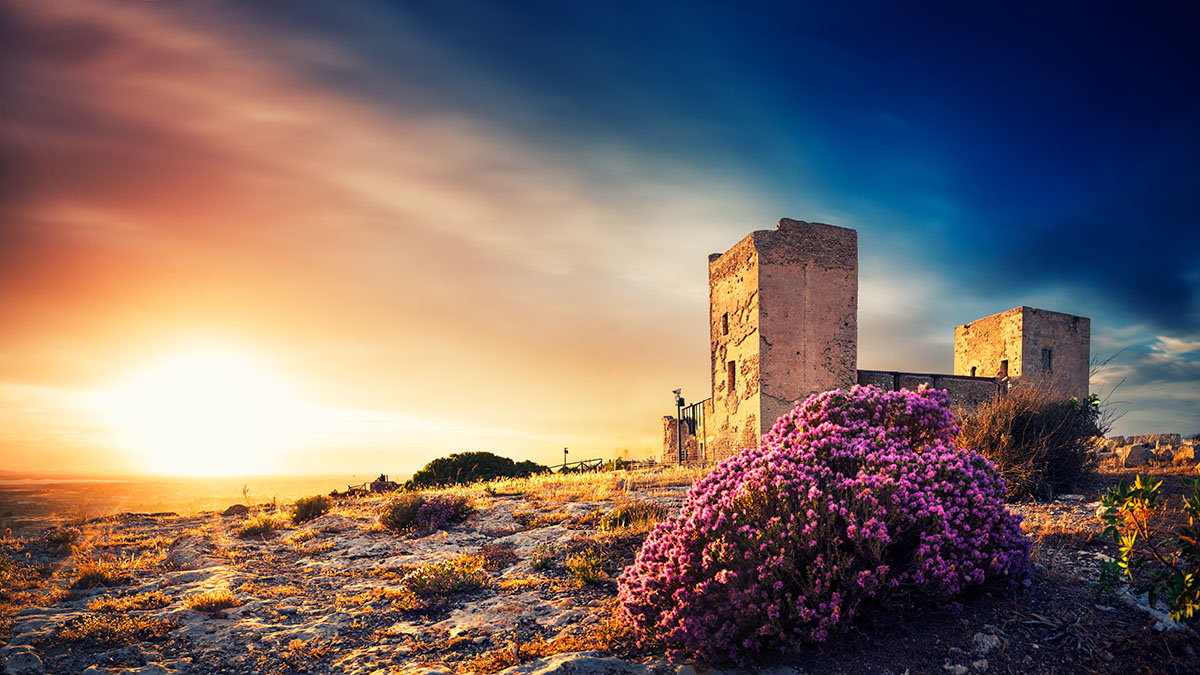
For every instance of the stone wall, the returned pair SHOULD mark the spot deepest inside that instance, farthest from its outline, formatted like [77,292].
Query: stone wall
[1030,345]
[808,290]
[982,347]
[783,324]
[1064,341]
[966,393]
[734,337]
[691,445]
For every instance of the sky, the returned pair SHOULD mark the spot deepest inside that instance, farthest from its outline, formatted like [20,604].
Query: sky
[427,227]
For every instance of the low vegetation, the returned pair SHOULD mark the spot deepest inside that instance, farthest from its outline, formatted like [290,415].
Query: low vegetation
[1042,445]
[430,584]
[259,526]
[140,601]
[109,630]
[1160,561]
[101,571]
[471,467]
[214,600]
[424,513]
[586,567]
[309,508]
[638,516]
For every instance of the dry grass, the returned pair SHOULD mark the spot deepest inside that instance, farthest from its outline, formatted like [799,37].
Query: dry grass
[634,516]
[109,630]
[214,600]
[102,571]
[1041,444]
[151,600]
[300,653]
[268,590]
[613,637]
[259,526]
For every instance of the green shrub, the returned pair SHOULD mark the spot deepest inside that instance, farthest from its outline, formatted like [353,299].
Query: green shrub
[586,567]
[639,516]
[1040,444]
[459,574]
[424,513]
[308,508]
[469,467]
[1157,563]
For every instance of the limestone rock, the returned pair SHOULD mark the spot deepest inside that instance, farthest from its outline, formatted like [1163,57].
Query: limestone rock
[1135,455]
[1185,454]
[984,643]
[23,661]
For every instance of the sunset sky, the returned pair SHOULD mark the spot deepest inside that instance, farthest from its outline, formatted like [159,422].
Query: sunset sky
[408,229]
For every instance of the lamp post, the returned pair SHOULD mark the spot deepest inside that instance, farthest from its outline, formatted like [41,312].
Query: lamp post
[679,421]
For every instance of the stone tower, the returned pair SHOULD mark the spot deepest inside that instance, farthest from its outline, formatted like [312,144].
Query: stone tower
[783,324]
[1027,344]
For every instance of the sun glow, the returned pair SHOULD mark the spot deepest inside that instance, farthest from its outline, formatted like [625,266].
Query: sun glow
[204,412]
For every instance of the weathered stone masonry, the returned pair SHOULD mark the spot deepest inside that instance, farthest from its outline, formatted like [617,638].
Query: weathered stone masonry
[783,325]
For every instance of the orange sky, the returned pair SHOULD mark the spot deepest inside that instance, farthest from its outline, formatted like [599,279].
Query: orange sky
[445,284]
[426,277]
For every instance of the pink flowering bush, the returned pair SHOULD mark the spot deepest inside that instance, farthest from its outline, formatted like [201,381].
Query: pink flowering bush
[855,501]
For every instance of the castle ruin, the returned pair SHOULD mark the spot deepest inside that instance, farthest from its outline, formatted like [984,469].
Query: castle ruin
[783,325]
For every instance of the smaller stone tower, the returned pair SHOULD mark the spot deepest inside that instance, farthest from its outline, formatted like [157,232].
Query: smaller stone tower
[1026,344]
[783,320]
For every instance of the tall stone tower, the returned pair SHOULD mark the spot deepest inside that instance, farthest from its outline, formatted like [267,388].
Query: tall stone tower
[1027,344]
[783,324]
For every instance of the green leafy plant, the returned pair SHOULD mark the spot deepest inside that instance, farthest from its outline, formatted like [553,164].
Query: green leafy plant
[585,567]
[1161,564]
[308,508]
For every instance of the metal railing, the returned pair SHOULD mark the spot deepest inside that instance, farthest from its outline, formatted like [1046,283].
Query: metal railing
[693,416]
[583,465]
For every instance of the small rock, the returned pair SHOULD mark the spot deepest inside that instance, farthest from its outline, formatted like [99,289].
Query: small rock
[1135,455]
[980,665]
[23,661]
[236,510]
[955,668]
[984,643]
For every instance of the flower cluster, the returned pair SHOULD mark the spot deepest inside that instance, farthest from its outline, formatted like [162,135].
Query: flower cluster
[855,500]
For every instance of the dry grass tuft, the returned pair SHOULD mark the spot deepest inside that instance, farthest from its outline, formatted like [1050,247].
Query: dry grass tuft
[634,516]
[259,526]
[214,601]
[613,637]
[300,654]
[267,590]
[109,630]
[104,571]
[151,600]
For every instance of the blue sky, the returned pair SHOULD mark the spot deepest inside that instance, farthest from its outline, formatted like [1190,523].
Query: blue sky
[412,205]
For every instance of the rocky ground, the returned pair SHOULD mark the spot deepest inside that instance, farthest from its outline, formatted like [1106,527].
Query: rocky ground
[169,594]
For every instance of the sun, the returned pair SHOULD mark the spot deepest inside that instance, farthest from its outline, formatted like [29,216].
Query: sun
[204,412]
